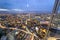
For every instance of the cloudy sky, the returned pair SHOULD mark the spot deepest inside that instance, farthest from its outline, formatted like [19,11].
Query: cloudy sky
[27,5]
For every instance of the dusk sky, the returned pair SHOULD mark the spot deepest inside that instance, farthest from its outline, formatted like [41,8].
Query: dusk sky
[27,5]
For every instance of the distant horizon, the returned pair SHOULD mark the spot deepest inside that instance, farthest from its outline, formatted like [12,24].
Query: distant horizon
[19,10]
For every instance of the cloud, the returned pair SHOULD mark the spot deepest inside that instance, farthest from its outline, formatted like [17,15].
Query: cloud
[17,10]
[4,10]
[11,10]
